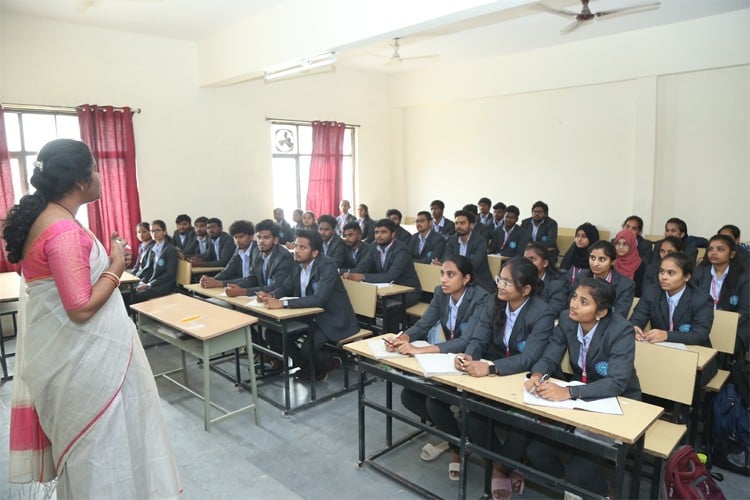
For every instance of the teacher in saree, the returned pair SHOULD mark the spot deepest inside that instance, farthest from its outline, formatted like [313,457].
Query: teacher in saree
[85,410]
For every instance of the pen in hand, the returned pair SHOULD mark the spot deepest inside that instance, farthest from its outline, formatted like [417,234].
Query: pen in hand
[392,341]
[542,380]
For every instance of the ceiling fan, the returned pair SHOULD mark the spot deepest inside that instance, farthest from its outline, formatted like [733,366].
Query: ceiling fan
[586,15]
[396,57]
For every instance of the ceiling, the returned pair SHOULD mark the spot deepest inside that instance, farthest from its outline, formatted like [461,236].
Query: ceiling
[502,31]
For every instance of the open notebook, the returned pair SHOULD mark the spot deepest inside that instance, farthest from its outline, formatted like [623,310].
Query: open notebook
[604,405]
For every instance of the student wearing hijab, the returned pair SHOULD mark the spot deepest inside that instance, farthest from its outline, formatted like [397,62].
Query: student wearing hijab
[577,257]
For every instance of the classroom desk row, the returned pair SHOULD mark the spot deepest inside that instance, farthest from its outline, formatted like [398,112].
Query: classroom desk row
[500,398]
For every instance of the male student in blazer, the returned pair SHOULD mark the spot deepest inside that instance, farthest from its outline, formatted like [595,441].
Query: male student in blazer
[270,266]
[315,282]
[358,252]
[220,247]
[393,264]
[198,247]
[184,235]
[333,246]
[426,244]
[542,229]
[240,265]
[286,233]
[402,234]
[509,240]
[485,211]
[439,223]
[468,243]
[498,217]
[481,229]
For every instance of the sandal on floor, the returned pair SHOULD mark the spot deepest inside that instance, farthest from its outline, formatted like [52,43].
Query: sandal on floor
[431,451]
[518,480]
[501,488]
[454,471]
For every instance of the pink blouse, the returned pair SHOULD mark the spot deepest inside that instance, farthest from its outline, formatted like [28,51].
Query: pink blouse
[62,252]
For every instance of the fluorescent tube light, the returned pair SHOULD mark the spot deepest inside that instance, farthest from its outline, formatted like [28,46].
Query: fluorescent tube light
[300,66]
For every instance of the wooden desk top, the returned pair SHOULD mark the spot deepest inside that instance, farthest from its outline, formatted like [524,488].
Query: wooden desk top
[10,285]
[508,390]
[197,318]
[705,354]
[127,278]
[242,302]
[393,289]
[202,270]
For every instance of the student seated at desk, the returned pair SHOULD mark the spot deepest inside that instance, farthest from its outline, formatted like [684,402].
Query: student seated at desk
[308,221]
[541,228]
[240,265]
[286,233]
[485,215]
[723,275]
[269,266]
[629,262]
[158,279]
[200,245]
[479,226]
[460,308]
[146,242]
[440,224]
[678,228]
[358,253]
[498,217]
[576,258]
[426,244]
[366,224]
[184,235]
[297,224]
[645,248]
[221,246]
[602,255]
[509,239]
[344,217]
[402,234]
[668,245]
[602,351]
[677,310]
[469,243]
[555,290]
[743,249]
[521,327]
[333,246]
[316,283]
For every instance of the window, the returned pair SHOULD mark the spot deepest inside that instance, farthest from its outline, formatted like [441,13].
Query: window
[291,147]
[27,132]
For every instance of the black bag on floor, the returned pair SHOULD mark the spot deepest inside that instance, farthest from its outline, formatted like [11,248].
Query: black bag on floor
[730,431]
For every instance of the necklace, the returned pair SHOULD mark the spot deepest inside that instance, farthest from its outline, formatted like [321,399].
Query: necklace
[65,208]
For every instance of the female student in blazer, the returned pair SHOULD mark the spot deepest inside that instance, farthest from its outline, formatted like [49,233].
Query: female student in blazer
[602,255]
[629,262]
[602,351]
[677,310]
[460,307]
[670,244]
[521,326]
[723,275]
[158,279]
[576,259]
[555,291]
[146,242]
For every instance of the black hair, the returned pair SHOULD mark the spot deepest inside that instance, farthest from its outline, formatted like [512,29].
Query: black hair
[201,220]
[163,225]
[513,209]
[386,223]
[498,206]
[183,218]
[438,203]
[354,225]
[61,164]
[681,225]
[675,241]
[606,246]
[268,225]
[736,266]
[425,213]
[365,208]
[732,229]
[328,219]
[241,226]
[603,292]
[543,252]
[215,220]
[279,209]
[310,212]
[637,219]
[523,273]
[542,205]
[684,262]
[298,211]
[394,211]
[465,213]
[470,207]
[316,241]
[484,200]
[145,225]
[463,264]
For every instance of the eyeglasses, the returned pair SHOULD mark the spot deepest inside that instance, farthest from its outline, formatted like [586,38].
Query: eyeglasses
[502,282]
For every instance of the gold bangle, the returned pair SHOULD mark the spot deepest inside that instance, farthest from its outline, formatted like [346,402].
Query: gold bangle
[111,277]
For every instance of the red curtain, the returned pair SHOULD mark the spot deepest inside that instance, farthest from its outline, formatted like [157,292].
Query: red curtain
[325,184]
[6,191]
[109,133]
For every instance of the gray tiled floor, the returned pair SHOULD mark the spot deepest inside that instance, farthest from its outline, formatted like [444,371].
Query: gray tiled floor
[311,454]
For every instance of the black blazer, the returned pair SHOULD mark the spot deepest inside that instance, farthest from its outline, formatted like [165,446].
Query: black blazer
[232,272]
[736,299]
[161,273]
[692,318]
[286,233]
[337,250]
[339,226]
[556,293]
[528,338]
[141,260]
[280,265]
[546,234]
[473,320]
[624,291]
[448,229]
[325,289]
[189,238]
[194,248]
[516,244]
[609,360]
[361,263]
[403,235]
[433,248]
[368,229]
[476,252]
[226,250]
[398,268]
[690,250]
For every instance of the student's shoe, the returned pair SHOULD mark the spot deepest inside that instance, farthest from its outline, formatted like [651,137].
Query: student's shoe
[337,362]
[518,480]
[321,376]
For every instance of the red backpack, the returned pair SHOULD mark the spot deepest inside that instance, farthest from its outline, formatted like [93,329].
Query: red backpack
[686,478]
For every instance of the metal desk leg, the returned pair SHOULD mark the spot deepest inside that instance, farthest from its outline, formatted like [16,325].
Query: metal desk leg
[285,360]
[206,387]
[389,418]
[635,477]
[361,411]
[253,385]
[184,368]
[622,452]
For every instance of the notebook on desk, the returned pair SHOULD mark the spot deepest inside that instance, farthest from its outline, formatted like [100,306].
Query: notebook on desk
[377,346]
[603,405]
[435,364]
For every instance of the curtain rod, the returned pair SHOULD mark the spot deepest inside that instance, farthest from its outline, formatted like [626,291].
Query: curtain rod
[43,107]
[285,120]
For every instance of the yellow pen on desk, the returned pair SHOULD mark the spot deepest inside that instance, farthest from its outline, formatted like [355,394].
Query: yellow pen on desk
[190,318]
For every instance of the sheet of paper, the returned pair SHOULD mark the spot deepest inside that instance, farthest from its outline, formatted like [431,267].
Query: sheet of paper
[377,346]
[379,285]
[673,345]
[604,405]
[254,303]
[438,364]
